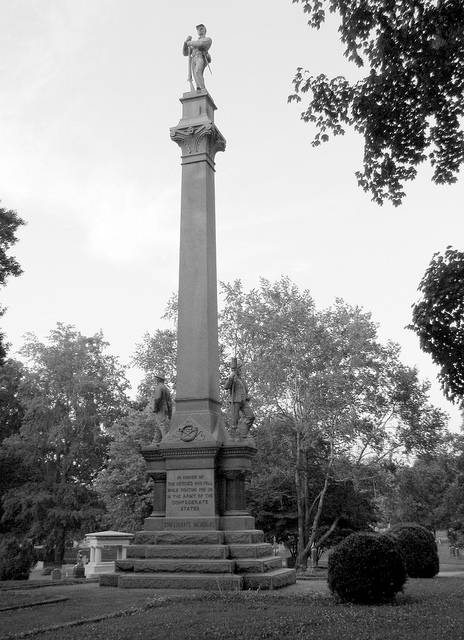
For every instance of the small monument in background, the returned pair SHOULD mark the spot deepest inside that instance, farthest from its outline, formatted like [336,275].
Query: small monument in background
[200,533]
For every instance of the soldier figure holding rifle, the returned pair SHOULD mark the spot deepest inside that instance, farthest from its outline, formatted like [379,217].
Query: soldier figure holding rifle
[199,58]
[162,406]
[239,401]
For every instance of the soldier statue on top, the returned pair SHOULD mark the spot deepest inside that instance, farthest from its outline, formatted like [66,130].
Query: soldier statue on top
[199,58]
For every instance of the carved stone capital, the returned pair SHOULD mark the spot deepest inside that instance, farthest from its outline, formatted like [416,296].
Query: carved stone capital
[196,139]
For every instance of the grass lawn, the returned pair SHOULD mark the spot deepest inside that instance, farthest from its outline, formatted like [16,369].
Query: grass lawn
[427,610]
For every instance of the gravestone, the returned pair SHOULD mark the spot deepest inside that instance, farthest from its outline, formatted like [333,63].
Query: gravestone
[56,574]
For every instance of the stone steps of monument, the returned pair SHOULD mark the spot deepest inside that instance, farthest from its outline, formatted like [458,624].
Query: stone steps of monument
[270,580]
[175,565]
[275,579]
[258,565]
[218,551]
[259,550]
[179,537]
[250,536]
[211,582]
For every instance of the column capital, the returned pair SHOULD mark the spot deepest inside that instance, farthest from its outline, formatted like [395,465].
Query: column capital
[199,139]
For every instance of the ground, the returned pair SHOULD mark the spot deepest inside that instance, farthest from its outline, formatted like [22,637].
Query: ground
[427,610]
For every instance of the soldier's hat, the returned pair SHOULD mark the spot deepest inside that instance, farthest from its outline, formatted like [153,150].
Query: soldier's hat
[160,375]
[200,25]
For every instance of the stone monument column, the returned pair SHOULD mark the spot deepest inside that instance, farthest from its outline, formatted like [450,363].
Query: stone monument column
[197,386]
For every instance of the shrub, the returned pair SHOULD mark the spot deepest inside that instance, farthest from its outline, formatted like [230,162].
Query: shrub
[366,568]
[419,550]
[16,560]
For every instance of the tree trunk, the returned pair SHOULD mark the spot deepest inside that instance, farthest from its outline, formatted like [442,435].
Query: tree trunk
[60,547]
[304,552]
[299,485]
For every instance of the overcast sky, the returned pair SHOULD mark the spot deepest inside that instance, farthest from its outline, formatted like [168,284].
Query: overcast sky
[89,90]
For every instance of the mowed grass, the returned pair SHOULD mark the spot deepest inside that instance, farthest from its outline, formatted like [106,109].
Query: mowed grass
[427,610]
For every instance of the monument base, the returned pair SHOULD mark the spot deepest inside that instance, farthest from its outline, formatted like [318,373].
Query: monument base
[200,534]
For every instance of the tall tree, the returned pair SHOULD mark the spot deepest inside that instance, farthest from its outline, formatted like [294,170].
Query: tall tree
[408,107]
[122,484]
[71,392]
[9,223]
[11,414]
[438,319]
[340,393]
[158,352]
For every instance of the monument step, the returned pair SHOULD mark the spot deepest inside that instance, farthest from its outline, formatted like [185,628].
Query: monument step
[252,536]
[179,537]
[270,580]
[175,565]
[218,551]
[258,565]
[211,582]
[259,550]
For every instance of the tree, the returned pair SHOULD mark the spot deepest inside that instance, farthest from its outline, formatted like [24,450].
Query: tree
[71,392]
[438,319]
[408,107]
[338,392]
[422,487]
[11,415]
[9,223]
[122,484]
[158,352]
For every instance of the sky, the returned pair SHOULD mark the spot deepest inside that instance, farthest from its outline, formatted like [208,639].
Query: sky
[89,91]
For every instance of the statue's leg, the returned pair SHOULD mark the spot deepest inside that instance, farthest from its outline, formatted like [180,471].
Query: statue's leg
[248,419]
[198,68]
[234,414]
[158,429]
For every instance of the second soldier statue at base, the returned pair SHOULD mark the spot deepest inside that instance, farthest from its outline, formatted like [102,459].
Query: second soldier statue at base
[239,402]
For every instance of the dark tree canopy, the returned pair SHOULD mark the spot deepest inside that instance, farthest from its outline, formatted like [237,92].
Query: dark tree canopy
[438,319]
[409,105]
[9,223]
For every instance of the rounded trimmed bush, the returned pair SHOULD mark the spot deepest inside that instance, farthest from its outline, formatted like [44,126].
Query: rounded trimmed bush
[419,550]
[366,568]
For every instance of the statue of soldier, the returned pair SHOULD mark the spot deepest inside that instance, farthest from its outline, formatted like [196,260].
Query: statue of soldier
[199,58]
[239,401]
[162,406]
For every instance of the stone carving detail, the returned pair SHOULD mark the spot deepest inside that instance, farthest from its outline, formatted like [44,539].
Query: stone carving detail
[191,138]
[187,432]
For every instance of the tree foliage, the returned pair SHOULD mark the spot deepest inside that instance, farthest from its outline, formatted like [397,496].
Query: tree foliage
[337,392]
[438,319]
[122,484]
[9,266]
[71,392]
[158,352]
[408,107]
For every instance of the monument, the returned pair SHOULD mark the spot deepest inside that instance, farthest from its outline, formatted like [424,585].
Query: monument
[200,533]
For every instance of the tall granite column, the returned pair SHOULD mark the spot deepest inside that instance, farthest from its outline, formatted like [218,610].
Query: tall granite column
[200,470]
[197,386]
